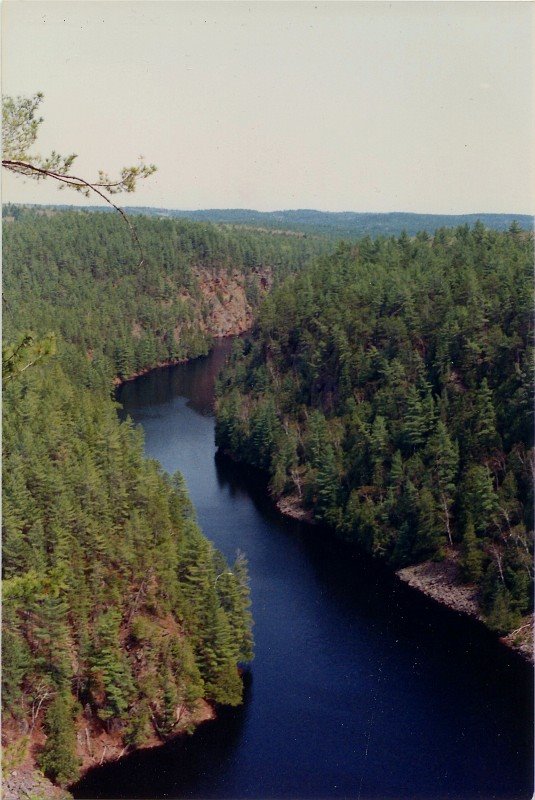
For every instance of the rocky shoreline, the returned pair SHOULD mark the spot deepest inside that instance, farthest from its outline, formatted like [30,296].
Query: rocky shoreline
[439,580]
[94,748]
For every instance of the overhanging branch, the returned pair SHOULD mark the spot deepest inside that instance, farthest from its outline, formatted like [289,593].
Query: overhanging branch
[26,168]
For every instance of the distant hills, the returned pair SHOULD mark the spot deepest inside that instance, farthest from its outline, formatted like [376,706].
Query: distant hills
[348,224]
[334,224]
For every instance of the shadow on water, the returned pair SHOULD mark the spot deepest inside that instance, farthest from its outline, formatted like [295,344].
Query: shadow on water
[363,688]
[357,584]
[184,767]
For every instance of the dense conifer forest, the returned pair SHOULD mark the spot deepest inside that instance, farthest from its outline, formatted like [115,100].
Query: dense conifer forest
[119,616]
[387,390]
[333,224]
[78,274]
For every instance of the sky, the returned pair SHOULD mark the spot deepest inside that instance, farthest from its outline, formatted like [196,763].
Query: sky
[339,106]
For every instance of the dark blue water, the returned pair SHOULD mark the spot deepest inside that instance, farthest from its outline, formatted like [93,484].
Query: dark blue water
[360,688]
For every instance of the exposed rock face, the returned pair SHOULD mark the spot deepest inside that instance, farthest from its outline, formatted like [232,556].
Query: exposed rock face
[521,639]
[94,746]
[291,506]
[228,309]
[441,581]
[27,782]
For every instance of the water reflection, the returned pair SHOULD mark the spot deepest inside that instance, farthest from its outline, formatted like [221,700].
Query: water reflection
[361,687]
[185,767]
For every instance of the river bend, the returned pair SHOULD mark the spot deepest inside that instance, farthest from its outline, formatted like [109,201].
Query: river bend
[359,689]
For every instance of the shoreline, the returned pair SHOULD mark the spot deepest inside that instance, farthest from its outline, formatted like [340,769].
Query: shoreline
[117,382]
[26,780]
[173,362]
[437,580]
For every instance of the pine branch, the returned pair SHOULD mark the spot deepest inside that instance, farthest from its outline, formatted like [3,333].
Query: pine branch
[24,167]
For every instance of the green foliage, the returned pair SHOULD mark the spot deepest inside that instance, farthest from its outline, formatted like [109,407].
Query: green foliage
[501,617]
[110,589]
[339,225]
[109,664]
[20,128]
[471,555]
[58,759]
[109,583]
[18,356]
[20,125]
[77,274]
[399,368]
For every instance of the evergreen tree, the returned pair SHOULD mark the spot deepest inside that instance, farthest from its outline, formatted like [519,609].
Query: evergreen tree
[444,457]
[479,498]
[327,482]
[110,668]
[58,760]
[471,555]
[414,423]
[485,419]
[429,543]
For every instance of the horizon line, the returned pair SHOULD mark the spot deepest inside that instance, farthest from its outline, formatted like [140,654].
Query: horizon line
[280,210]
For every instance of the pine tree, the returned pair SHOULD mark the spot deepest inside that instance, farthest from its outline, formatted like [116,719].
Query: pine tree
[444,457]
[51,633]
[379,448]
[327,483]
[58,759]
[471,555]
[396,470]
[110,666]
[429,540]
[501,618]
[16,661]
[241,617]
[263,424]
[414,422]
[485,419]
[478,497]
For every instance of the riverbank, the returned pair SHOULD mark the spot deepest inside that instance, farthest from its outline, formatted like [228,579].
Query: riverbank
[439,580]
[339,640]
[95,746]
[173,362]
[27,783]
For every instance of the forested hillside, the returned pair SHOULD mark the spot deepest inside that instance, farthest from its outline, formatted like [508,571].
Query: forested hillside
[119,618]
[330,224]
[113,621]
[78,274]
[387,390]
[349,224]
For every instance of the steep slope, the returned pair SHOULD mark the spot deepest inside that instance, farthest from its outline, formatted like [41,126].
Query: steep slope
[115,628]
[122,625]
[78,274]
[386,390]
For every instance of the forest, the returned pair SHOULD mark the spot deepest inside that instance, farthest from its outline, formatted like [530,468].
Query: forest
[386,390]
[78,274]
[335,225]
[119,616]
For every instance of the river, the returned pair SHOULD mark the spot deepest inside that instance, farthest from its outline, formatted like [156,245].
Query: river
[360,688]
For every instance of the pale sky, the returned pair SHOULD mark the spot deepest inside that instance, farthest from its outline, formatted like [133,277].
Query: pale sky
[356,106]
